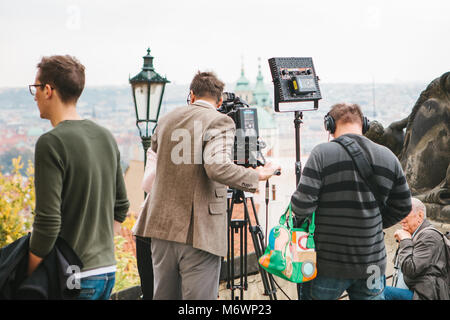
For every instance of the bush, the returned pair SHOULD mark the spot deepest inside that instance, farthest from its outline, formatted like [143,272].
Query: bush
[127,273]
[16,202]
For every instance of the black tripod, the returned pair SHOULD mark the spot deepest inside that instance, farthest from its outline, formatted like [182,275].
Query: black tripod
[239,226]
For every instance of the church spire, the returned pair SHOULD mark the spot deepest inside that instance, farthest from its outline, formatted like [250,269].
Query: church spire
[242,84]
[260,94]
[260,77]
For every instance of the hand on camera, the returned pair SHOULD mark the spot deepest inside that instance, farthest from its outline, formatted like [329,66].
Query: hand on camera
[268,171]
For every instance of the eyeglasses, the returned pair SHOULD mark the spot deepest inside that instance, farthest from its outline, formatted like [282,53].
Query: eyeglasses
[32,88]
[189,99]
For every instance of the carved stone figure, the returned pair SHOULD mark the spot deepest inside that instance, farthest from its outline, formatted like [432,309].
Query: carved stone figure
[424,149]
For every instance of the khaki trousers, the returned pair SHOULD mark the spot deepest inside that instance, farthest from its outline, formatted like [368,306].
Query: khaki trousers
[183,272]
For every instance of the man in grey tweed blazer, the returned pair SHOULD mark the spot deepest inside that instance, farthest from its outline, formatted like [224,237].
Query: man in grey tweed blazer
[186,216]
[351,254]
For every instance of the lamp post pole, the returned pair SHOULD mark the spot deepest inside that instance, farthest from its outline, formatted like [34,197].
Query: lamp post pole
[148,90]
[146,144]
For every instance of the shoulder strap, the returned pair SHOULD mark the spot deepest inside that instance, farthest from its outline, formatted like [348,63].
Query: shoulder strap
[362,165]
[429,228]
[444,236]
[446,243]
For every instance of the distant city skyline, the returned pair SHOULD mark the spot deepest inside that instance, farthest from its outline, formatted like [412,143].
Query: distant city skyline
[350,41]
[21,125]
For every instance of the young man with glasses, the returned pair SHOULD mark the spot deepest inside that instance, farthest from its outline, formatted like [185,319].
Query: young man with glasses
[80,190]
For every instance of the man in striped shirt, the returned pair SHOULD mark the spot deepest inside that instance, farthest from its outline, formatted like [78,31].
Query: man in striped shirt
[351,254]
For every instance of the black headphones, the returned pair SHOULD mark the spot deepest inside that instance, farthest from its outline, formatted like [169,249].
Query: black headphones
[330,124]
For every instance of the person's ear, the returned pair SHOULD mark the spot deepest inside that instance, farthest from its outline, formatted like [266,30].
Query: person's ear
[48,91]
[193,97]
[220,102]
[421,215]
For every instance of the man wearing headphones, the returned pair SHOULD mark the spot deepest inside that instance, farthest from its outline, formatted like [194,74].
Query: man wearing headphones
[351,254]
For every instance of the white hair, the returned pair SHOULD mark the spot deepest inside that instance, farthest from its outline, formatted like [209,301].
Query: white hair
[418,206]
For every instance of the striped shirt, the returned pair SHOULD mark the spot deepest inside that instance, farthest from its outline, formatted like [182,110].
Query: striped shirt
[349,225]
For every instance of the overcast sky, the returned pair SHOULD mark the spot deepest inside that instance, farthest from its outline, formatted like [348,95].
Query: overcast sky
[349,40]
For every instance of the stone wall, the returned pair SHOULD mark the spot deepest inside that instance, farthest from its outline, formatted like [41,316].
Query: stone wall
[437,213]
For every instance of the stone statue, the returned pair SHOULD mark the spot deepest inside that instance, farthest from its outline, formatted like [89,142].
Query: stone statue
[424,149]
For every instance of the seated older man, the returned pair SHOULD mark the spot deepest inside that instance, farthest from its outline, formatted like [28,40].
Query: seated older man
[422,259]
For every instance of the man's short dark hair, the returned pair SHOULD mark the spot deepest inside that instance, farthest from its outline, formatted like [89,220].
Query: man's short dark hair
[206,84]
[65,74]
[346,113]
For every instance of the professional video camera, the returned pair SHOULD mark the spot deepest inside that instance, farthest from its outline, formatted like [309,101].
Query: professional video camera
[247,143]
[246,152]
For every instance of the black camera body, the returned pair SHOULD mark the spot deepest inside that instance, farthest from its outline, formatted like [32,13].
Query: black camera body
[247,143]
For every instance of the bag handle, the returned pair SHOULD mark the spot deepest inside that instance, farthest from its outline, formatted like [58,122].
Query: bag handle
[283,217]
[311,226]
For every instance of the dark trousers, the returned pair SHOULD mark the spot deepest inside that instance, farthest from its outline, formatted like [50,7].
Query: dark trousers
[145,266]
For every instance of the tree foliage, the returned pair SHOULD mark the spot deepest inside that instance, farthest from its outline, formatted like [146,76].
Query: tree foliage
[16,202]
[127,274]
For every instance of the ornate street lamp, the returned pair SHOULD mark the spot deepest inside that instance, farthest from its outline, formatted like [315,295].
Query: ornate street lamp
[148,90]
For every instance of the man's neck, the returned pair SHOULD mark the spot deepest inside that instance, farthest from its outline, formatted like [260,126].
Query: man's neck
[347,128]
[212,102]
[64,112]
[417,228]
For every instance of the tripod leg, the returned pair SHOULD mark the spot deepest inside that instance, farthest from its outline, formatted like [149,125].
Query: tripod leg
[261,249]
[237,226]
[230,251]
[228,244]
[243,257]
[257,237]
